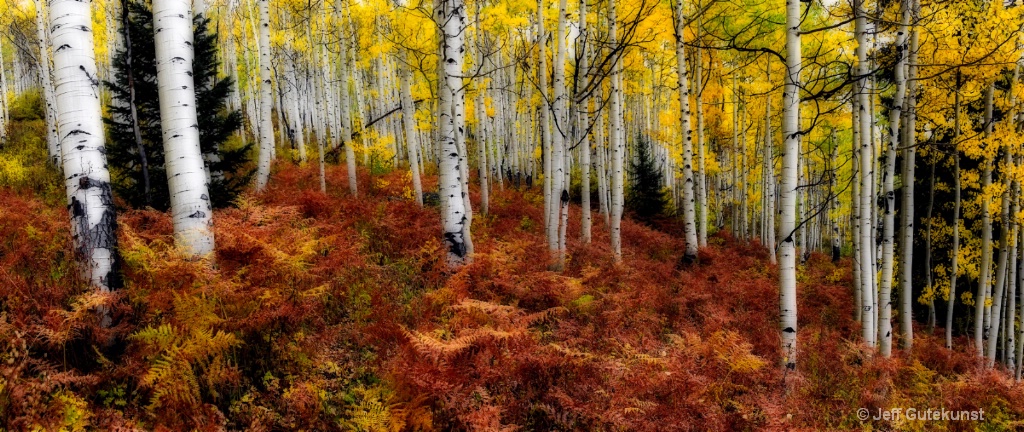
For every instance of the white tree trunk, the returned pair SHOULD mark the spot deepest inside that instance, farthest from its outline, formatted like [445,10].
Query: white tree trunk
[451,20]
[618,147]
[1005,238]
[559,188]
[191,210]
[4,103]
[953,267]
[981,317]
[702,186]
[583,138]
[346,113]
[909,135]
[867,177]
[409,122]
[769,181]
[80,126]
[266,100]
[689,204]
[888,173]
[292,100]
[789,189]
[53,142]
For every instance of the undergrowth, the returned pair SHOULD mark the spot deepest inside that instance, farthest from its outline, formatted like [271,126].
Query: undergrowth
[323,312]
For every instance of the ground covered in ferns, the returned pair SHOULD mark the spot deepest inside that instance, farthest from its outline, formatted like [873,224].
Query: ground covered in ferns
[324,312]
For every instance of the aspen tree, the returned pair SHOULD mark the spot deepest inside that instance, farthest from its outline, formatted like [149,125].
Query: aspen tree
[769,180]
[1005,238]
[866,177]
[191,210]
[49,108]
[83,158]
[618,147]
[689,215]
[409,122]
[266,128]
[702,186]
[581,126]
[451,21]
[981,316]
[956,215]
[909,141]
[889,194]
[787,226]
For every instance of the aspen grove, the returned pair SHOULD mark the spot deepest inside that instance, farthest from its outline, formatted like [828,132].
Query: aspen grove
[511,214]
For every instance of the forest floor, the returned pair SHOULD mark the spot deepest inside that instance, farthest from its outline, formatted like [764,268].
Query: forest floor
[325,312]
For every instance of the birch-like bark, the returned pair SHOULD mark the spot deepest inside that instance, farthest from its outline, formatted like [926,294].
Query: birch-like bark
[52,141]
[866,178]
[1005,227]
[559,190]
[683,79]
[451,21]
[187,183]
[583,138]
[909,135]
[702,186]
[834,198]
[855,212]
[889,194]
[292,100]
[4,103]
[769,181]
[481,117]
[409,122]
[1019,347]
[545,126]
[266,100]
[346,110]
[1010,347]
[615,140]
[83,157]
[789,189]
[951,301]
[981,317]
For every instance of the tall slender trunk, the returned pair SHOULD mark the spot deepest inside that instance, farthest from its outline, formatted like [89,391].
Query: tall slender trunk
[80,126]
[833,197]
[481,117]
[769,180]
[909,161]
[866,178]
[855,211]
[1005,227]
[187,183]
[452,23]
[1009,348]
[889,194]
[346,106]
[789,189]
[4,103]
[266,100]
[981,315]
[291,101]
[545,127]
[689,215]
[559,187]
[409,122]
[615,140]
[53,142]
[583,108]
[951,301]
[702,186]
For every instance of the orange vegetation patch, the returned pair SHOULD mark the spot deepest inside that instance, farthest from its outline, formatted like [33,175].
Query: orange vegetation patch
[326,312]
